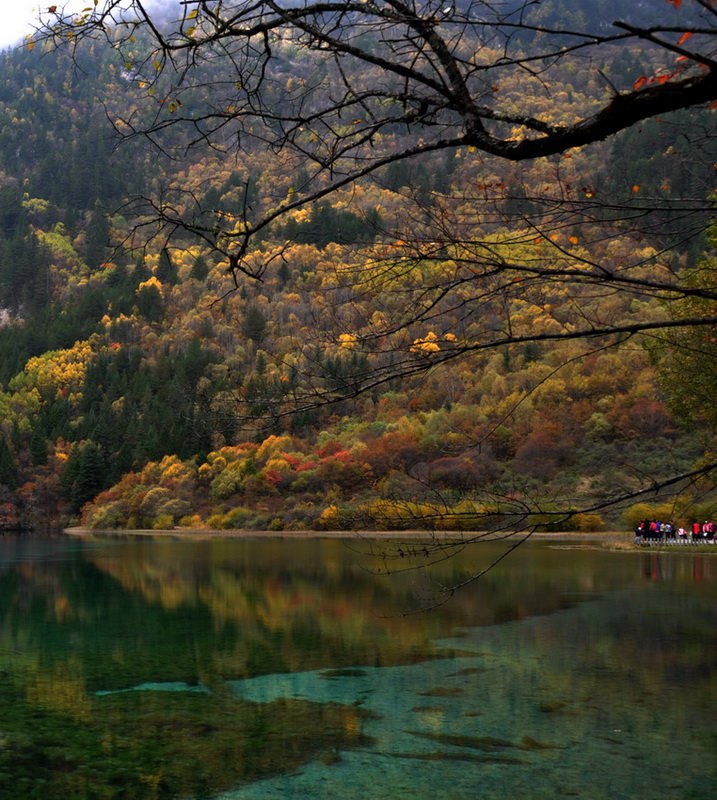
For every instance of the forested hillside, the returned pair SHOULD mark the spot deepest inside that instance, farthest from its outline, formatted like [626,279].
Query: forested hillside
[146,383]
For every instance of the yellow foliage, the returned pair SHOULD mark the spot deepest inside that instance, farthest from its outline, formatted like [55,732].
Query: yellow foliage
[378,319]
[329,518]
[426,345]
[278,464]
[150,473]
[205,473]
[149,282]
[194,521]
[173,470]
[58,371]
[218,464]
[272,446]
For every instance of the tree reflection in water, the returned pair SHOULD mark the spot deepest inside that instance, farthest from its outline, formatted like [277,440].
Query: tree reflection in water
[150,668]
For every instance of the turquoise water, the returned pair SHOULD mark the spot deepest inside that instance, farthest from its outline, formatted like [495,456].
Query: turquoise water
[511,722]
[251,669]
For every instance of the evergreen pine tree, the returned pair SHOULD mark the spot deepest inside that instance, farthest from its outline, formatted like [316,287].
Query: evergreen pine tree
[166,272]
[254,324]
[38,446]
[97,238]
[140,272]
[200,270]
[8,469]
[90,480]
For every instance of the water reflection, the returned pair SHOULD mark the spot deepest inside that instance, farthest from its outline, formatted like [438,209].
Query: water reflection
[670,566]
[150,668]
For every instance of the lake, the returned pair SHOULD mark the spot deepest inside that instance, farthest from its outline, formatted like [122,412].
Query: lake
[253,669]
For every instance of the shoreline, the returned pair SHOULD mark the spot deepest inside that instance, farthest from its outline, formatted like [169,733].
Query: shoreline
[619,541]
[467,536]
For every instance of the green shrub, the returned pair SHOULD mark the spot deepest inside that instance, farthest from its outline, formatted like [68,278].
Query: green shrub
[239,517]
[153,499]
[191,521]
[174,508]
[108,517]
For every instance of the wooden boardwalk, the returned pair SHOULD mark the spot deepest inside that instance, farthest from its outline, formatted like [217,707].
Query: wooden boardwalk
[679,541]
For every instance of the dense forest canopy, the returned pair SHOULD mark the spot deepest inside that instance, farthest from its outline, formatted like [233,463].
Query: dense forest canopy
[341,91]
[358,264]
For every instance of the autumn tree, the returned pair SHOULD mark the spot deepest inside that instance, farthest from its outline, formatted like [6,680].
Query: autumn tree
[464,109]
[332,82]
[690,356]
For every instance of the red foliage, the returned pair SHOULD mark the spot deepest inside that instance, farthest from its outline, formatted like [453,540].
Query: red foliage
[273,477]
[329,449]
[580,412]
[8,515]
[641,417]
[348,475]
[461,472]
[393,451]
[293,461]
[108,496]
[341,455]
[544,451]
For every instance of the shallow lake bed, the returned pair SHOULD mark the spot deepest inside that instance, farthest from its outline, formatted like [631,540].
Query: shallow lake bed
[276,668]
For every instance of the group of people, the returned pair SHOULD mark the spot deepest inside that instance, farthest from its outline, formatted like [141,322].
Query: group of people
[655,529]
